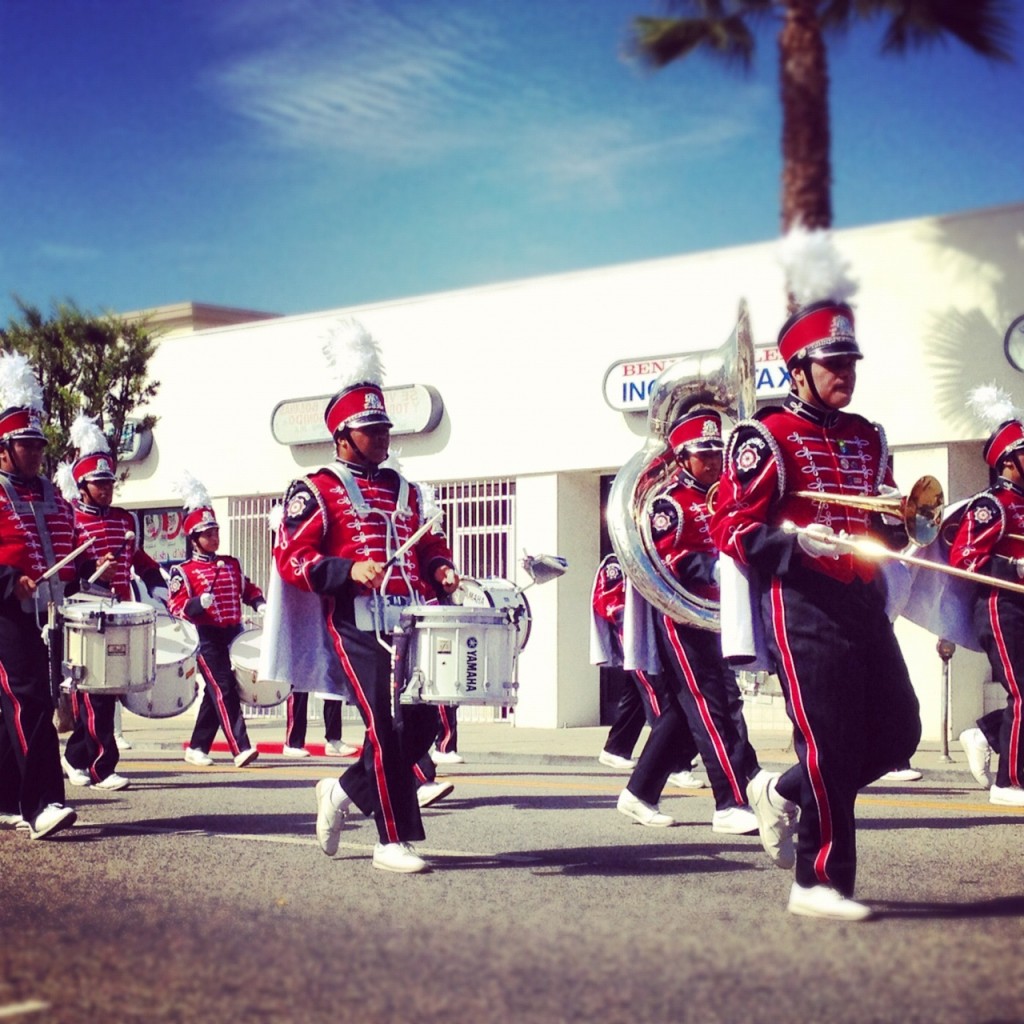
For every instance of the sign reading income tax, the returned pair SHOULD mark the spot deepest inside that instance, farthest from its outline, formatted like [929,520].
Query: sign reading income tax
[412,408]
[628,383]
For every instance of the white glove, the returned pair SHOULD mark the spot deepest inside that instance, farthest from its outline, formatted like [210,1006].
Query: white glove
[260,612]
[818,541]
[885,491]
[160,594]
[206,599]
[1018,564]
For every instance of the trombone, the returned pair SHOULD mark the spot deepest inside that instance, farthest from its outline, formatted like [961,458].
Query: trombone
[920,511]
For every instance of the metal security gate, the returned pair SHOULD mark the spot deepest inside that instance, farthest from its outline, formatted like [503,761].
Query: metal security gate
[479,521]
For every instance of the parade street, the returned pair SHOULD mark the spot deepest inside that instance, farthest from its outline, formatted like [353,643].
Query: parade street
[201,894]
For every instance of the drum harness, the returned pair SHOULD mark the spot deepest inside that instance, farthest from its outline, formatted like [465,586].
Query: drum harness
[50,632]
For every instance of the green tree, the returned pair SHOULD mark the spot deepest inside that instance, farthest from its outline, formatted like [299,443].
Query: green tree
[86,363]
[725,29]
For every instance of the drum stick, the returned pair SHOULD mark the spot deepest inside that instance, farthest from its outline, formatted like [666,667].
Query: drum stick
[415,537]
[64,561]
[128,538]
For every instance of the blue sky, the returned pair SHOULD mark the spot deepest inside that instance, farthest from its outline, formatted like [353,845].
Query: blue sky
[298,155]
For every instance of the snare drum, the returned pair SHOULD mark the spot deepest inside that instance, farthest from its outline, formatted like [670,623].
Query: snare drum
[459,655]
[177,683]
[245,660]
[493,592]
[109,647]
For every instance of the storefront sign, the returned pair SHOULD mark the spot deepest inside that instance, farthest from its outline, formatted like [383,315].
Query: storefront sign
[135,443]
[627,384]
[413,408]
[163,534]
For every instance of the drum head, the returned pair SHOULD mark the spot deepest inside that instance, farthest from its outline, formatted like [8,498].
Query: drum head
[493,592]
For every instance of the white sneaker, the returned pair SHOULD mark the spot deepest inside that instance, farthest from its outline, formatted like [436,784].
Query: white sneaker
[979,756]
[430,792]
[197,757]
[614,761]
[75,775]
[824,901]
[446,757]
[246,757]
[330,820]
[1006,796]
[902,775]
[122,743]
[734,821]
[287,751]
[338,748]
[52,818]
[12,820]
[686,780]
[399,857]
[775,826]
[641,811]
[113,782]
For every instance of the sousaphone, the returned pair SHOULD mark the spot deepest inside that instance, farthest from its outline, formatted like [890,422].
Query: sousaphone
[722,379]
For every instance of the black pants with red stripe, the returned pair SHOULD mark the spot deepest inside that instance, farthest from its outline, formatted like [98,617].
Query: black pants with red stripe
[297,718]
[30,774]
[447,738]
[630,717]
[854,712]
[999,618]
[221,706]
[91,748]
[381,782]
[669,748]
[709,695]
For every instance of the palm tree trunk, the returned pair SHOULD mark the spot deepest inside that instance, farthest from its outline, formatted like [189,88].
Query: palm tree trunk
[806,137]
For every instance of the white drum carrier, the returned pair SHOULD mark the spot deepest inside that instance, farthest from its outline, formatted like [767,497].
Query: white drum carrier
[177,684]
[245,660]
[109,646]
[460,655]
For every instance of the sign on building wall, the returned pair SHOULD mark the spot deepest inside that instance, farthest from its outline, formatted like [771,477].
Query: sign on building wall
[413,408]
[627,384]
[163,534]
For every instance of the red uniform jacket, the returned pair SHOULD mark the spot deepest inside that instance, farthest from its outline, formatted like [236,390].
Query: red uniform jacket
[341,515]
[108,526]
[681,529]
[220,575]
[797,447]
[992,525]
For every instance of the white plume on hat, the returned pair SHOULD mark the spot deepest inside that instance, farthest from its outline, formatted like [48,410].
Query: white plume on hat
[353,355]
[992,405]
[191,490]
[815,270]
[86,436]
[19,385]
[65,481]
[276,516]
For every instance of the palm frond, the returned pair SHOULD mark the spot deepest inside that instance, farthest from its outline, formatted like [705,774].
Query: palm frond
[660,41]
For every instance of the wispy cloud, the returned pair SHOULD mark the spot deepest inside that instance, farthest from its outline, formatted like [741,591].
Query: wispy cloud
[399,85]
[60,252]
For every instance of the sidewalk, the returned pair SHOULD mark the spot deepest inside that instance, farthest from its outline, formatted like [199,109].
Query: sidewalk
[506,743]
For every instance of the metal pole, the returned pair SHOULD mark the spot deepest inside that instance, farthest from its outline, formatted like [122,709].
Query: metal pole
[945,649]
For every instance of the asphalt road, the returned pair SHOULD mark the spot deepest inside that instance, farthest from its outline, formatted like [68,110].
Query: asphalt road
[200,895]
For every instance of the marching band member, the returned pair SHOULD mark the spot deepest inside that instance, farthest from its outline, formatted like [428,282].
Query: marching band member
[704,687]
[36,532]
[990,540]
[208,589]
[92,752]
[848,693]
[342,528]
[296,717]
[676,751]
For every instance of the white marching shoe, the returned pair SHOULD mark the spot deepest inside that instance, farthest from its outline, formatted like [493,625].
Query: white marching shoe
[52,818]
[338,748]
[245,757]
[400,857]
[287,751]
[775,825]
[446,757]
[112,782]
[641,811]
[824,901]
[330,820]
[734,821]
[76,776]
[686,780]
[610,760]
[979,756]
[198,757]
[430,792]
[1006,796]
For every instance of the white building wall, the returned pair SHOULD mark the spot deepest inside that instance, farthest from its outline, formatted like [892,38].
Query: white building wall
[520,368]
